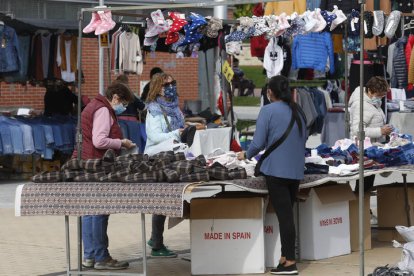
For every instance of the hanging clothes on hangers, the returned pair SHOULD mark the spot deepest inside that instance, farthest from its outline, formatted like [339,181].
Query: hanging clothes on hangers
[130,55]
[66,56]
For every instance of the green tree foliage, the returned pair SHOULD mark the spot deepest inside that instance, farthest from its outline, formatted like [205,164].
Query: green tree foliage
[243,10]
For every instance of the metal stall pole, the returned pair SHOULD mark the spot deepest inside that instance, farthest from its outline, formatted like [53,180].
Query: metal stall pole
[347,119]
[361,146]
[67,245]
[221,12]
[101,59]
[144,246]
[79,132]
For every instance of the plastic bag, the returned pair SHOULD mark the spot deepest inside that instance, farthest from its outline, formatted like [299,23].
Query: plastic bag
[406,232]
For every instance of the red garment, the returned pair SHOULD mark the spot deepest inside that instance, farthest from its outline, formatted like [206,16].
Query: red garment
[88,149]
[220,104]
[258,44]
[408,48]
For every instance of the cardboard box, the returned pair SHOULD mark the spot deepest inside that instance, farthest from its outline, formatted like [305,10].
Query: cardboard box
[324,222]
[272,241]
[354,223]
[391,210]
[227,236]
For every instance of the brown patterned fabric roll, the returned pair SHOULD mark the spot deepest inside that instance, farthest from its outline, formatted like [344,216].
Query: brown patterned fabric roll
[87,177]
[182,167]
[171,175]
[141,177]
[69,175]
[239,173]
[195,177]
[45,177]
[72,164]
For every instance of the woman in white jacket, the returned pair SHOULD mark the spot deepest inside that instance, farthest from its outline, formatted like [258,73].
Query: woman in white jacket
[374,118]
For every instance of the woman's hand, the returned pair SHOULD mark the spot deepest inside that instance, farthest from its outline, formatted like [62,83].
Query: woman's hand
[126,143]
[241,155]
[386,129]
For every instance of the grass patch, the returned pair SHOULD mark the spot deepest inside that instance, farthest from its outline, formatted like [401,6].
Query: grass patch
[242,124]
[255,74]
[246,101]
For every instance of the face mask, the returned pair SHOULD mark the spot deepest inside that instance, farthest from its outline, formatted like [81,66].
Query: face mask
[170,92]
[376,101]
[119,108]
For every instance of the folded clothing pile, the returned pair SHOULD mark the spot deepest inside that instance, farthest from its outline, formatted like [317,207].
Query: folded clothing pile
[140,168]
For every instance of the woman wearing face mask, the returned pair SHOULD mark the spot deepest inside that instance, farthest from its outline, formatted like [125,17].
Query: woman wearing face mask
[164,125]
[100,131]
[374,119]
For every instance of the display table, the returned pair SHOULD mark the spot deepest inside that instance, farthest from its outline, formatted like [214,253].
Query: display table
[403,121]
[205,141]
[85,198]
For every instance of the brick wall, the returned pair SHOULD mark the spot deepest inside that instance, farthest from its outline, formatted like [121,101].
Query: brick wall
[185,71]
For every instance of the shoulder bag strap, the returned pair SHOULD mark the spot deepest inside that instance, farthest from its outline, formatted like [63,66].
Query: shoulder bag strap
[166,118]
[280,140]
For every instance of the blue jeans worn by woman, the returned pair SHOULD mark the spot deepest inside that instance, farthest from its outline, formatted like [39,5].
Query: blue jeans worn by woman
[95,239]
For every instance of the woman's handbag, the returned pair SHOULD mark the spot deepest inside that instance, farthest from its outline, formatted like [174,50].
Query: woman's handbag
[273,147]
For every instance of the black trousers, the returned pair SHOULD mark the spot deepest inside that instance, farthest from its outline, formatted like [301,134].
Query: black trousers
[282,193]
[157,235]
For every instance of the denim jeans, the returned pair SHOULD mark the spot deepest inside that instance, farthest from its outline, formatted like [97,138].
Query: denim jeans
[95,238]
[17,138]
[157,231]
[6,139]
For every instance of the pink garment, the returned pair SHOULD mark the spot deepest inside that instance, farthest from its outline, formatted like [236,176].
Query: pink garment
[408,48]
[102,122]
[357,61]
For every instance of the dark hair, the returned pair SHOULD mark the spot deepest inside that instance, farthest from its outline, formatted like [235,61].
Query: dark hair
[377,85]
[279,86]
[122,79]
[121,90]
[154,71]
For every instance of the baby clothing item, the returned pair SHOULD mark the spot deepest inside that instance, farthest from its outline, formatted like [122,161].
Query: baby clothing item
[310,21]
[329,18]
[378,26]
[192,34]
[354,24]
[273,59]
[297,26]
[340,18]
[177,24]
[320,22]
[212,28]
[392,23]
[106,24]
[159,26]
[368,24]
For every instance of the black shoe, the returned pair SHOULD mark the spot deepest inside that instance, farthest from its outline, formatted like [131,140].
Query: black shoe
[285,270]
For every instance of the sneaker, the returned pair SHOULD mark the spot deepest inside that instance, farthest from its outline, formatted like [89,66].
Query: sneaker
[88,263]
[285,270]
[110,264]
[164,252]
[150,243]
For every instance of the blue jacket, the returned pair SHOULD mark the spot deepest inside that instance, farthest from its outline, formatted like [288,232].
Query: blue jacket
[312,51]
[287,160]
[10,59]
